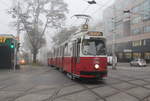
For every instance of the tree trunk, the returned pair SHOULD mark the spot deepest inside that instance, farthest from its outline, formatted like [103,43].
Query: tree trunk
[34,57]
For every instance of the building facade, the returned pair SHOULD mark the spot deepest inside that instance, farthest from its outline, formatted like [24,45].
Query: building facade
[128,31]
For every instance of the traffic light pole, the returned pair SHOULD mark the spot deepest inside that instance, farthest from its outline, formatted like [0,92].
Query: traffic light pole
[18,36]
[14,59]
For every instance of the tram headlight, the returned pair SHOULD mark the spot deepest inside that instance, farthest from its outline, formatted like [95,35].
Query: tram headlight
[97,66]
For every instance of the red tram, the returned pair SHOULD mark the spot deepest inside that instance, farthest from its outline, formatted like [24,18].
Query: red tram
[82,56]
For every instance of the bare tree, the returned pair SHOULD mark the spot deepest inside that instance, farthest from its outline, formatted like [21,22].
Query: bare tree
[63,35]
[36,16]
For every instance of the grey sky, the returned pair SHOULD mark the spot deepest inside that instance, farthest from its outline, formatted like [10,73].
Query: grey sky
[5,19]
[81,6]
[75,7]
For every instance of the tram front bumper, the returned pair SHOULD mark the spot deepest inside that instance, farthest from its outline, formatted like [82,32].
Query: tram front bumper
[95,74]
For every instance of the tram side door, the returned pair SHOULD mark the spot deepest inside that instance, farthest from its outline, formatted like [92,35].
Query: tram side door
[74,57]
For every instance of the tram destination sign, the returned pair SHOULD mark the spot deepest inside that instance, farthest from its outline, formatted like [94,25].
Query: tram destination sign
[95,33]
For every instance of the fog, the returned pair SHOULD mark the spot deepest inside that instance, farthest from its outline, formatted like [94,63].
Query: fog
[74,7]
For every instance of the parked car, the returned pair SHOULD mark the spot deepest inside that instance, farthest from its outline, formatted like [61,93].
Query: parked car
[138,62]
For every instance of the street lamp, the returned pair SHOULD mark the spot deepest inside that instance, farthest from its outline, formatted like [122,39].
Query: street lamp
[114,58]
[126,11]
[92,2]
[130,12]
[18,33]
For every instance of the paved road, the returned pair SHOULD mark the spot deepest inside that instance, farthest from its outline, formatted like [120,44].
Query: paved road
[37,83]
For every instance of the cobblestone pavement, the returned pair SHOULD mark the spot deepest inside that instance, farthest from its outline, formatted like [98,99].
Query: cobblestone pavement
[34,83]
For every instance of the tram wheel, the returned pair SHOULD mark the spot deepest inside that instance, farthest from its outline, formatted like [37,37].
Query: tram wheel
[70,76]
[61,70]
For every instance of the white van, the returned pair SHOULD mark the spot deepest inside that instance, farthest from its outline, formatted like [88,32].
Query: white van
[110,60]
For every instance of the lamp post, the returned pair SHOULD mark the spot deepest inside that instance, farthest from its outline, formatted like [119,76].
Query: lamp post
[18,36]
[114,59]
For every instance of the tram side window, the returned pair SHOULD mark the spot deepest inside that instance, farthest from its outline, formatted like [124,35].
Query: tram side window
[69,50]
[63,51]
[66,50]
[54,53]
[78,49]
[60,52]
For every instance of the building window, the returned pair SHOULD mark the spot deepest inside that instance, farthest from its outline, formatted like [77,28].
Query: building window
[136,9]
[118,23]
[136,20]
[137,43]
[144,42]
[136,55]
[128,55]
[146,9]
[147,55]
[136,31]
[146,29]
[120,55]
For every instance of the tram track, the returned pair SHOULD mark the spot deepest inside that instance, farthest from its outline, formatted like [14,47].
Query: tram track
[110,85]
[93,92]
[56,94]
[26,92]
[85,88]
[96,94]
[147,98]
[136,85]
[133,79]
[52,97]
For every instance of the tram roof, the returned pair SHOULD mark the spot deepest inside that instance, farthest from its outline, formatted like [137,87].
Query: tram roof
[7,35]
[79,35]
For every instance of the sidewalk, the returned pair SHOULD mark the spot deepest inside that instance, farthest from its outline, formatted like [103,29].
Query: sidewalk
[123,64]
[126,66]
[120,64]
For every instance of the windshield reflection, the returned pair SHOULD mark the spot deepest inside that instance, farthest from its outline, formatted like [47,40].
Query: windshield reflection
[93,47]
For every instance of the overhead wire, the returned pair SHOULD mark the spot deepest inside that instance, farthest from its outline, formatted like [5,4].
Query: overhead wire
[81,13]
[101,7]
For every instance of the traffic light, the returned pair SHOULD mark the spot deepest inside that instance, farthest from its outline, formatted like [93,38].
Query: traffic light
[12,46]
[18,46]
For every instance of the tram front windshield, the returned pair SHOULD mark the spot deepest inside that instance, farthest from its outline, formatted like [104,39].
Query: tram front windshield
[93,47]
